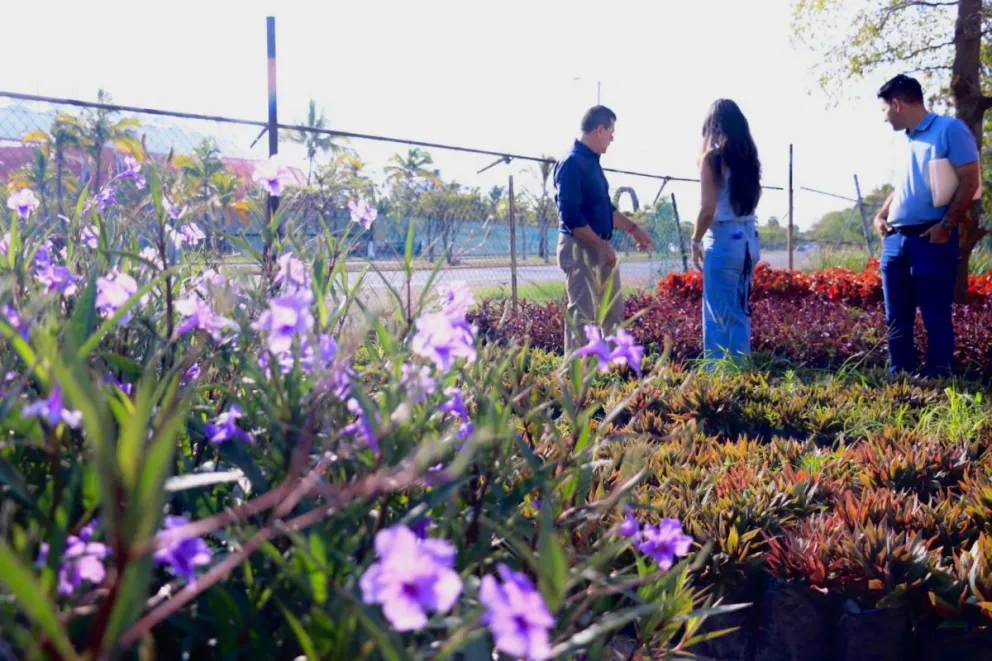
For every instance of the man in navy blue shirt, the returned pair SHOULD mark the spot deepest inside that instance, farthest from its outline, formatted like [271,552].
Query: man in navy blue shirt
[920,248]
[586,219]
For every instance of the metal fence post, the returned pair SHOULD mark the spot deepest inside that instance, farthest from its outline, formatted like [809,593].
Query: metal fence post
[513,248]
[273,124]
[678,232]
[864,217]
[788,237]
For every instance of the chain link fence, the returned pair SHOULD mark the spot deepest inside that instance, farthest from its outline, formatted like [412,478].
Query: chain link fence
[487,217]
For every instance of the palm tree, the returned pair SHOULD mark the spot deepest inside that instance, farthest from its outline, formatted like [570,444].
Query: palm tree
[406,169]
[35,175]
[100,128]
[66,133]
[314,141]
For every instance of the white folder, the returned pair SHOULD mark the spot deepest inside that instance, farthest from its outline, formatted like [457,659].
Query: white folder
[944,182]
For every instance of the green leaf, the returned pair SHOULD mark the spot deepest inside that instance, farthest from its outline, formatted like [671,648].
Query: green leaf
[301,635]
[18,488]
[24,350]
[84,316]
[32,600]
[603,626]
[318,572]
[551,560]
[133,431]
[130,601]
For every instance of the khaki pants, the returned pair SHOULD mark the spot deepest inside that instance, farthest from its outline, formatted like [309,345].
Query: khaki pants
[585,280]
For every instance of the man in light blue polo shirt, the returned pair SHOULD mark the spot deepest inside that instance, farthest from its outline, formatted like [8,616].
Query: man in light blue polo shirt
[919,241]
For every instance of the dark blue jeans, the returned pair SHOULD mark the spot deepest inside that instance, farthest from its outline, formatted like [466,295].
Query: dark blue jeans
[917,273]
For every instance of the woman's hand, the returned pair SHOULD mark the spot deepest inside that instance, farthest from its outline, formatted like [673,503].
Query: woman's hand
[697,254]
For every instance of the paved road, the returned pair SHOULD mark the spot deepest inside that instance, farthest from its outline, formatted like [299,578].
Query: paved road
[634,272]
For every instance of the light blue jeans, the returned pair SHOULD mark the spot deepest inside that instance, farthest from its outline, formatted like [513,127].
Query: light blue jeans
[730,251]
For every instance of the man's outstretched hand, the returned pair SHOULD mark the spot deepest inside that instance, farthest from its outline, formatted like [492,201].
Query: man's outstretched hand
[644,240]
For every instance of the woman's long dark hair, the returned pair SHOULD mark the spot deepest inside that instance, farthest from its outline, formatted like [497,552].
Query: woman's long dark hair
[729,136]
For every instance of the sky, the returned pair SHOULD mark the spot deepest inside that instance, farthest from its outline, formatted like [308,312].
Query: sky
[510,76]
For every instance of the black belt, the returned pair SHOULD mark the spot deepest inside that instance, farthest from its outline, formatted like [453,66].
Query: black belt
[913,230]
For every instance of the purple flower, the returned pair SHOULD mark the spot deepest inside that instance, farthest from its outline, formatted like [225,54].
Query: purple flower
[361,428]
[112,379]
[516,615]
[5,243]
[664,542]
[52,411]
[172,211]
[456,299]
[272,177]
[630,527]
[292,272]
[200,315]
[456,406]
[57,278]
[442,340]
[597,347]
[113,291]
[192,374]
[362,213]
[420,527]
[626,351]
[225,427]
[90,237]
[411,578]
[287,317]
[104,198]
[182,557]
[82,561]
[188,234]
[21,325]
[150,254]
[43,256]
[418,381]
[133,171]
[23,202]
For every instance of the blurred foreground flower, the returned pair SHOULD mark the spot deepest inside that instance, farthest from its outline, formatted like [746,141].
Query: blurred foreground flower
[23,202]
[412,577]
[81,561]
[362,213]
[272,176]
[52,411]
[183,557]
[516,615]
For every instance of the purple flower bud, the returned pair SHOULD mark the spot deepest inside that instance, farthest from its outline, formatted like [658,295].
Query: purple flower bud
[630,527]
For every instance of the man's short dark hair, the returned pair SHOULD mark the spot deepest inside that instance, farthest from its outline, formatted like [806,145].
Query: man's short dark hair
[597,116]
[905,88]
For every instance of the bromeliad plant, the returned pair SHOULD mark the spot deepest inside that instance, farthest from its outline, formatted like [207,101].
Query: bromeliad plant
[203,464]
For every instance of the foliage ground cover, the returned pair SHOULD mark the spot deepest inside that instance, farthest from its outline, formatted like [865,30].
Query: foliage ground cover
[214,467]
[260,467]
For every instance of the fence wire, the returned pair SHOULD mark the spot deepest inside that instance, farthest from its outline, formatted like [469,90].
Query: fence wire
[459,201]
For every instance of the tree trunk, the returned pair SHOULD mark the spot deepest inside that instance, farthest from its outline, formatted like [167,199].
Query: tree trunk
[971,106]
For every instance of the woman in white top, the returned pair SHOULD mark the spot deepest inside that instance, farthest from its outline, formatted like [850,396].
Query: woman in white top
[725,245]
